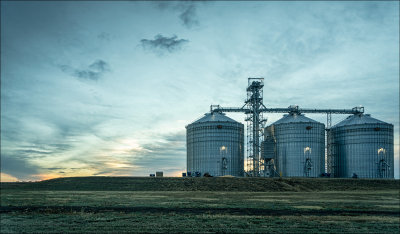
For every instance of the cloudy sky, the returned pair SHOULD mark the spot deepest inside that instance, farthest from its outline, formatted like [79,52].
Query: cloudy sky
[106,88]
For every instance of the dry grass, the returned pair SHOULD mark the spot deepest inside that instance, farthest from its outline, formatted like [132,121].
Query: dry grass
[77,211]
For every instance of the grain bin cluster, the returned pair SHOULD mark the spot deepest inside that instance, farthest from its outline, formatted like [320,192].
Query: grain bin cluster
[294,146]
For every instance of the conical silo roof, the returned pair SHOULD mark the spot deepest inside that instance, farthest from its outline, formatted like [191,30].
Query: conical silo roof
[214,117]
[294,118]
[359,119]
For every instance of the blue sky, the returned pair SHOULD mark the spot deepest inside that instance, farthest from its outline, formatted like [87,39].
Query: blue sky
[106,88]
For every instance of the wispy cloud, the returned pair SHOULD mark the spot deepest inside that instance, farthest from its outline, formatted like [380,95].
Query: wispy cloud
[162,43]
[167,153]
[18,167]
[93,72]
[187,11]
[189,16]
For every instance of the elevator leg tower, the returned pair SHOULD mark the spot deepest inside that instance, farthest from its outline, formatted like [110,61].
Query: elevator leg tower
[255,125]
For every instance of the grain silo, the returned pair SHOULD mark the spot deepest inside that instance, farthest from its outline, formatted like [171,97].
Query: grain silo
[299,146]
[362,147]
[215,146]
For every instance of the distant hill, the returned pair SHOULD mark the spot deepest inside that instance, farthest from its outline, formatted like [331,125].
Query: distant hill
[97,183]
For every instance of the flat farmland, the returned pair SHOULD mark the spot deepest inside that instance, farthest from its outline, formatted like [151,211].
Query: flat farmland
[223,205]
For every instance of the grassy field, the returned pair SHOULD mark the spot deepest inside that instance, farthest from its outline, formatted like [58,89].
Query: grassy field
[199,206]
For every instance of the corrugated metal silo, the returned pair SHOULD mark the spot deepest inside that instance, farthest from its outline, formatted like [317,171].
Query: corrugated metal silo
[215,145]
[362,145]
[299,146]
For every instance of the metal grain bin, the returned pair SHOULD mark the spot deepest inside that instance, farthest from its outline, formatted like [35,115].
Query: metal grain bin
[215,144]
[299,146]
[362,147]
